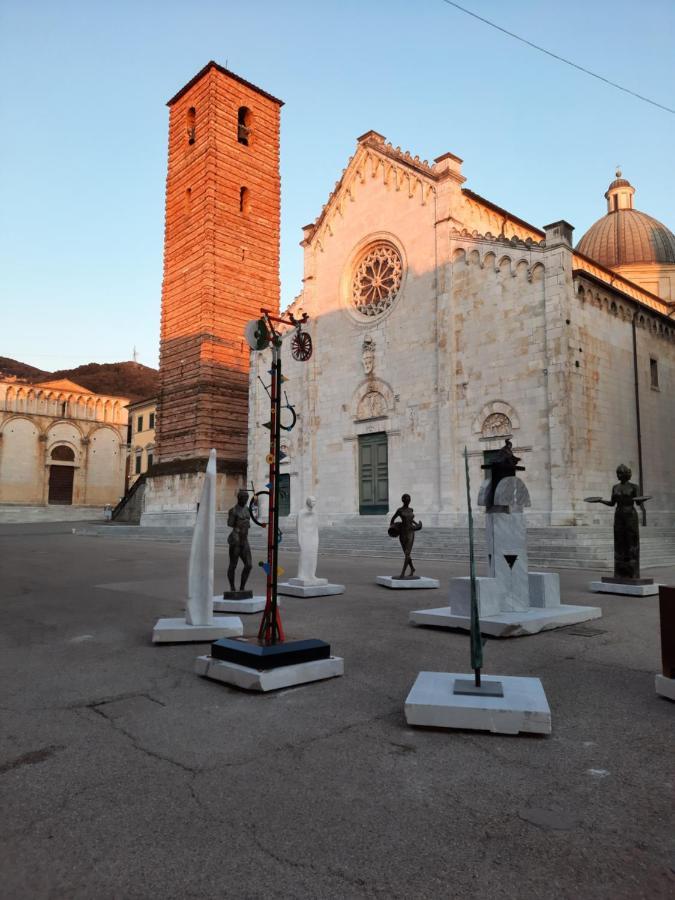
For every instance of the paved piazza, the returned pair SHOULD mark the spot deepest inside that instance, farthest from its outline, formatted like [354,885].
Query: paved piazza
[124,775]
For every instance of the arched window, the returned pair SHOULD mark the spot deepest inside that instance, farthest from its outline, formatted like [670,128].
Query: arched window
[243,200]
[63,454]
[191,120]
[244,125]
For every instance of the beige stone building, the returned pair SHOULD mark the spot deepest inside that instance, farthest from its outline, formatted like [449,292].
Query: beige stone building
[142,423]
[61,444]
[441,320]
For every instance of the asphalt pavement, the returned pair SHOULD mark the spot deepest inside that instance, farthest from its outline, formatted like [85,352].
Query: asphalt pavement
[125,775]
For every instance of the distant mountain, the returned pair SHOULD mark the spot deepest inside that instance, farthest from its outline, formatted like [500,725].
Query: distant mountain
[123,379]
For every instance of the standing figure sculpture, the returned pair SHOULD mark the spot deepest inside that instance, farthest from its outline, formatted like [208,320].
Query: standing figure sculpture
[405,532]
[307,526]
[625,495]
[239,520]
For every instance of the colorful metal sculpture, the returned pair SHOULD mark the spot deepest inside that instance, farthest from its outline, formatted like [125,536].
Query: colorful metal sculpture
[263,334]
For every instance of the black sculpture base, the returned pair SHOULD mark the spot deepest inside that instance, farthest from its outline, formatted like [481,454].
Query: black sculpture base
[623,580]
[250,652]
[406,577]
[468,686]
[237,595]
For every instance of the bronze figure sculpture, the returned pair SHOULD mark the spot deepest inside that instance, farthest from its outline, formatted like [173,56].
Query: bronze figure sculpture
[405,530]
[625,495]
[239,520]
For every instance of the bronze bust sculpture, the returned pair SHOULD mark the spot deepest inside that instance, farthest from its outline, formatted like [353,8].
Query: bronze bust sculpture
[239,520]
[625,495]
[405,530]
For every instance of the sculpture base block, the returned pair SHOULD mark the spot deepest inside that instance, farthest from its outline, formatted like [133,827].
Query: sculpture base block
[665,686]
[623,588]
[406,584]
[250,679]
[177,631]
[237,595]
[433,703]
[241,607]
[309,590]
[512,624]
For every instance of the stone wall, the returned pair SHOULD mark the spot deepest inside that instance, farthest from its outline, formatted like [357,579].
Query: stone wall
[487,338]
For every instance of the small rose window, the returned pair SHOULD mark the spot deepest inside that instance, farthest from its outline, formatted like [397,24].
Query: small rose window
[376,280]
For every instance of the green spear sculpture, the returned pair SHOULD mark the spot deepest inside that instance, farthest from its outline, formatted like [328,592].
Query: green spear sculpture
[476,641]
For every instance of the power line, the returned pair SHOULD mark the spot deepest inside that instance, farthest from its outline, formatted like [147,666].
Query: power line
[559,58]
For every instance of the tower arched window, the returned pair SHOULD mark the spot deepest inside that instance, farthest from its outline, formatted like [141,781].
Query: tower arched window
[244,125]
[191,124]
[243,200]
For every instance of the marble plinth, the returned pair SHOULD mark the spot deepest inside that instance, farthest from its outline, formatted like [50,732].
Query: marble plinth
[625,590]
[297,587]
[665,686]
[407,584]
[511,624]
[523,708]
[241,607]
[177,631]
[544,589]
[250,679]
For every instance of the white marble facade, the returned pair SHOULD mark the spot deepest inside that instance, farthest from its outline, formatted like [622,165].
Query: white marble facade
[440,320]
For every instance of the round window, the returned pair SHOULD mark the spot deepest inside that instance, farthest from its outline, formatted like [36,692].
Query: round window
[377,279]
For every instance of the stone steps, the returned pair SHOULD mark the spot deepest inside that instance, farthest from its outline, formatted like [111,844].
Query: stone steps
[555,547]
[11,513]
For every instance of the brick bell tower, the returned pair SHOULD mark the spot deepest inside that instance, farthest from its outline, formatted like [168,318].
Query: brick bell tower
[221,264]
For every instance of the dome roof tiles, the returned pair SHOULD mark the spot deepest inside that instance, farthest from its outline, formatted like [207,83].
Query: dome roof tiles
[627,236]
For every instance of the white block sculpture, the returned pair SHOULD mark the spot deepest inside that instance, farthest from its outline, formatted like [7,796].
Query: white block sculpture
[512,601]
[306,584]
[199,623]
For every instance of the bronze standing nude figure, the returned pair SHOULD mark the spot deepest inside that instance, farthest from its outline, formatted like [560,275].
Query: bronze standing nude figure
[239,520]
[405,532]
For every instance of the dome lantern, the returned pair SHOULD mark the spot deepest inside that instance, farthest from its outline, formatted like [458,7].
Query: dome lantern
[619,194]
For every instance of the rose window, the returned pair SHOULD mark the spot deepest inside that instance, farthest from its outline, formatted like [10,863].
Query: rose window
[376,280]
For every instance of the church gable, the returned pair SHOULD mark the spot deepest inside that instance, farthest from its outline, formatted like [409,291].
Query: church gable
[63,384]
[374,159]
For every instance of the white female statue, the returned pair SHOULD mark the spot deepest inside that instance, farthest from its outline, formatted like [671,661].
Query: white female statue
[307,525]
[306,584]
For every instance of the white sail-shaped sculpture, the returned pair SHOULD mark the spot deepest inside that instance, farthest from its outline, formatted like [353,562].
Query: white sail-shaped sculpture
[200,624]
[199,609]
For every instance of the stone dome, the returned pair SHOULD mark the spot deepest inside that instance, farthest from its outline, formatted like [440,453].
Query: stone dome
[625,235]
[628,236]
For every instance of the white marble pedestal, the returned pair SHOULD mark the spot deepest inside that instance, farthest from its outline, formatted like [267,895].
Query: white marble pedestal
[509,624]
[625,590]
[250,679]
[665,687]
[241,607]
[406,584]
[300,587]
[177,631]
[523,708]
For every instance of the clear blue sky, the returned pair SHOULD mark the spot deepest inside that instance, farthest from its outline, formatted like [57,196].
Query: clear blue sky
[83,154]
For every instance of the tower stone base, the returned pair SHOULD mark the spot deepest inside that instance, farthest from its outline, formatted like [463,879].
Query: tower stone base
[172,491]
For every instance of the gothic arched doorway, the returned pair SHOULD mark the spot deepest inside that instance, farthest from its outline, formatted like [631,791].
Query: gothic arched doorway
[61,476]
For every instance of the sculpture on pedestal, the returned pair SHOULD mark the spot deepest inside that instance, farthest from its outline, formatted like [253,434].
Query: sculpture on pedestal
[199,623]
[405,530]
[625,495]
[306,583]
[307,527]
[511,600]
[239,520]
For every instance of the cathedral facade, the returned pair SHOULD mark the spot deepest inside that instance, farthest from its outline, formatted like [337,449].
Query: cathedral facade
[61,444]
[441,321]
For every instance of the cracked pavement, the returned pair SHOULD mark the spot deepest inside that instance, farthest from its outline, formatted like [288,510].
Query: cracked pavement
[124,775]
